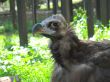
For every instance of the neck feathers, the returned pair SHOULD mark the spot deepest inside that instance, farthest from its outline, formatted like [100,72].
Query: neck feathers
[63,48]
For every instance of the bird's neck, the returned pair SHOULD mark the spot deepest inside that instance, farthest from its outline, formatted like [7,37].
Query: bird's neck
[66,33]
[63,48]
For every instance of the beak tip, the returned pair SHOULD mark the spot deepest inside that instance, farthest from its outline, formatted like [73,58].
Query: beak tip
[35,28]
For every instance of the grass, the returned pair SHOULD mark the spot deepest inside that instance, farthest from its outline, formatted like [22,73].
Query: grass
[29,63]
[34,63]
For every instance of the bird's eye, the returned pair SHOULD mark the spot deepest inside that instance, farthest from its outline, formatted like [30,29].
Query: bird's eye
[55,24]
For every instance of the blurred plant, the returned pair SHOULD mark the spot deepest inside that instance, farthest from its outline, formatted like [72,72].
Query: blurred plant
[80,27]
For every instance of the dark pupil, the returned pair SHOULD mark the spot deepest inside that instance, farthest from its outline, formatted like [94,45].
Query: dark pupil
[55,24]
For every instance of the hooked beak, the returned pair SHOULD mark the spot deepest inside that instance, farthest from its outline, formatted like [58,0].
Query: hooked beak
[42,29]
[37,28]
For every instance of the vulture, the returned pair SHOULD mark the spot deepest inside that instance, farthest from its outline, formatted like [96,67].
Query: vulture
[75,60]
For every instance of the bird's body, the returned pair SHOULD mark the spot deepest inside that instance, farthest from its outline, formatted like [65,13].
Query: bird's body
[75,60]
[86,57]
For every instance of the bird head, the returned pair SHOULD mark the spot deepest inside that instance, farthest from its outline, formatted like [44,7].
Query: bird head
[51,27]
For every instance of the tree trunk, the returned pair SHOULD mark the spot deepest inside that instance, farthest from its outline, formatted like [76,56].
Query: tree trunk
[90,18]
[67,9]
[22,22]
[13,13]
[48,4]
[34,11]
[55,6]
